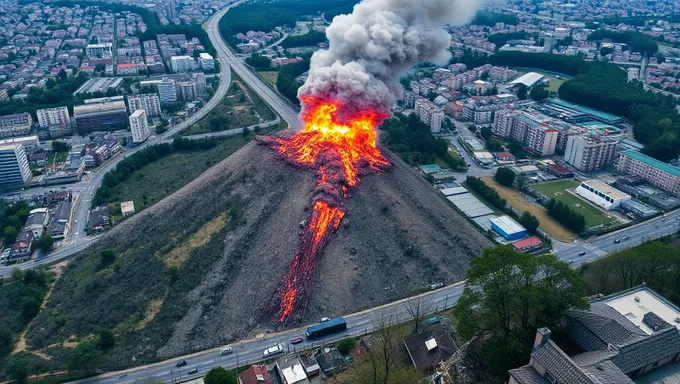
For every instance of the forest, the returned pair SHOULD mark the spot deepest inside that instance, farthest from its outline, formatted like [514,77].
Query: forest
[635,40]
[286,83]
[311,39]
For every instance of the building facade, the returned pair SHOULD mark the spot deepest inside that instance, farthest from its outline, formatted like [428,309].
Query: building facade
[589,153]
[532,130]
[654,171]
[15,125]
[56,120]
[181,64]
[602,194]
[167,89]
[207,61]
[149,102]
[139,126]
[429,114]
[99,50]
[14,169]
[103,114]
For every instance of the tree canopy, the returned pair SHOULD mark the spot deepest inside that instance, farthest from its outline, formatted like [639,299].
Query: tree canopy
[504,176]
[220,375]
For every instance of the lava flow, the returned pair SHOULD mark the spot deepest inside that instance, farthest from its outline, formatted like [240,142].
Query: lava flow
[341,145]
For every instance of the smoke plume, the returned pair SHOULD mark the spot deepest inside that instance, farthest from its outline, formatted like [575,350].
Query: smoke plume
[378,43]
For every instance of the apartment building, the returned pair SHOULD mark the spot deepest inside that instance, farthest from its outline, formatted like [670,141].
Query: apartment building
[15,125]
[99,50]
[56,120]
[654,171]
[207,61]
[181,64]
[14,169]
[533,130]
[101,114]
[139,126]
[429,114]
[587,153]
[149,102]
[167,89]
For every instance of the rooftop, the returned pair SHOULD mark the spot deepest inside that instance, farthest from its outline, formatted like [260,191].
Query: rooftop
[636,302]
[606,189]
[528,79]
[653,162]
[507,224]
[609,117]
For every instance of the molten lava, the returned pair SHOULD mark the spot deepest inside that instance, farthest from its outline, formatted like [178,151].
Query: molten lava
[340,143]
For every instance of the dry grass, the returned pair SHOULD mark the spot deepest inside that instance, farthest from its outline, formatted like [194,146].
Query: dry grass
[269,77]
[517,201]
[151,312]
[181,253]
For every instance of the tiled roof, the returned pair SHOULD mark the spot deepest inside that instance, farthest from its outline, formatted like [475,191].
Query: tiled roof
[559,365]
[653,321]
[527,375]
[639,354]
[607,372]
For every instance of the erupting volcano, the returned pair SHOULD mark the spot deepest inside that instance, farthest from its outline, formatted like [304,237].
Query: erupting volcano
[340,144]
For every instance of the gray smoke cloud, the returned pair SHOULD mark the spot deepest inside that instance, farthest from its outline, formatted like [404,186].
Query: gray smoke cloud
[377,44]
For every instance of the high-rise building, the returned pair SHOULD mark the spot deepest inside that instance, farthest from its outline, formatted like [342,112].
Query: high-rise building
[587,153]
[167,89]
[656,172]
[182,64]
[207,61]
[430,114]
[14,169]
[101,114]
[56,120]
[201,84]
[149,102]
[139,126]
[15,125]
[533,130]
[170,9]
[99,50]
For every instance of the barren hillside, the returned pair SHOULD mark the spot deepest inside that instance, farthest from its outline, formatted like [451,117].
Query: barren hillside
[196,270]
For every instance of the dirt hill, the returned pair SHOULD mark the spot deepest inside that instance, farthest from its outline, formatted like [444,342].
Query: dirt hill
[197,269]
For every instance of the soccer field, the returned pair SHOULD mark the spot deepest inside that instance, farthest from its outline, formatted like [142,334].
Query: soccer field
[558,190]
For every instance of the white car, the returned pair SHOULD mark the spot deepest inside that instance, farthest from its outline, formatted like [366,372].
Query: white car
[226,350]
[273,351]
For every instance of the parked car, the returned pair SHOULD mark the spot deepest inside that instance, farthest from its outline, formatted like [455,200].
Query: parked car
[226,350]
[181,363]
[297,340]
[273,351]
[325,319]
[193,371]
[433,320]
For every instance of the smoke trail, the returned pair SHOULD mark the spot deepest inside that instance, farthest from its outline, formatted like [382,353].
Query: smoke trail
[374,46]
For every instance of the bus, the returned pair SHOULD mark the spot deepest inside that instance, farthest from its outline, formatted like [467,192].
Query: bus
[326,328]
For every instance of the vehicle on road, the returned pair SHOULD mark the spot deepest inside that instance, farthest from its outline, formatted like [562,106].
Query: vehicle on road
[617,241]
[583,253]
[193,371]
[323,319]
[297,340]
[326,328]
[433,320]
[226,350]
[625,238]
[122,376]
[181,363]
[273,351]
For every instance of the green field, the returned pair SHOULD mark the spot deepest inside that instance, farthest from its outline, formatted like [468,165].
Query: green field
[558,190]
[555,83]
[301,28]
[269,77]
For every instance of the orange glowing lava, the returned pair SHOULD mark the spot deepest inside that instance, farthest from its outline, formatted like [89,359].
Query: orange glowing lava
[340,143]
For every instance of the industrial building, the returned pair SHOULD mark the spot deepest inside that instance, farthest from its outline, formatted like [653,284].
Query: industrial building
[99,84]
[656,172]
[429,114]
[508,228]
[588,153]
[139,126]
[18,124]
[601,194]
[14,169]
[149,102]
[103,114]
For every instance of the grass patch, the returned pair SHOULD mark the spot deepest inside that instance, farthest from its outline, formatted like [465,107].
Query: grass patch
[517,201]
[555,83]
[56,157]
[269,77]
[558,190]
[241,107]
[301,28]
[181,253]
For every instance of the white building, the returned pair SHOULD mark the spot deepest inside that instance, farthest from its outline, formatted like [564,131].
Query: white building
[601,194]
[139,126]
[14,169]
[167,89]
[430,114]
[180,64]
[207,61]
[53,116]
[589,153]
[127,208]
[149,102]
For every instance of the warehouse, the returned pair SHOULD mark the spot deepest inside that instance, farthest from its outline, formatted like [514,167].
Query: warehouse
[601,194]
[508,228]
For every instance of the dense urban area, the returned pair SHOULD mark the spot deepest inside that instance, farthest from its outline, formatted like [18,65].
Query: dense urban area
[524,227]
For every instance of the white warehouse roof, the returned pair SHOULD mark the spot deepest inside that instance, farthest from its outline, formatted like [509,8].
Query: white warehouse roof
[507,224]
[529,79]
[606,189]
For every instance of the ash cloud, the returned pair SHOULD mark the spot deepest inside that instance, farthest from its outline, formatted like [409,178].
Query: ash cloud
[378,43]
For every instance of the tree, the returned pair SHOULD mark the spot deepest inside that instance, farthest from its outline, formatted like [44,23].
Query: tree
[486,132]
[220,375]
[504,176]
[85,357]
[108,256]
[106,339]
[416,309]
[529,221]
[522,92]
[45,242]
[345,345]
[472,128]
[508,295]
[539,93]
[17,369]
[259,62]
[10,234]
[60,146]
[30,306]
[245,132]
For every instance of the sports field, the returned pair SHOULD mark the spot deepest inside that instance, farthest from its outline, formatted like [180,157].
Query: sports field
[558,190]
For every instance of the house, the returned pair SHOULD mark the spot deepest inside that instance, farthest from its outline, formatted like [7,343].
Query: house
[330,360]
[61,220]
[621,337]
[99,219]
[127,208]
[257,374]
[428,348]
[291,370]
[37,221]
[23,246]
[504,156]
[527,245]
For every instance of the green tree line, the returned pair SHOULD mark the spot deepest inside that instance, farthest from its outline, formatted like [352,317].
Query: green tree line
[500,39]
[286,83]
[489,19]
[635,40]
[490,194]
[567,216]
[310,39]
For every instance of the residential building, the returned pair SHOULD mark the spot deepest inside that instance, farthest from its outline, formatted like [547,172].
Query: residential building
[139,126]
[30,143]
[429,114]
[99,50]
[207,61]
[127,208]
[99,219]
[630,335]
[256,374]
[181,64]
[654,171]
[60,225]
[101,114]
[534,130]
[23,246]
[601,194]
[37,221]
[14,169]
[187,90]
[478,114]
[167,89]
[330,360]
[291,370]
[587,153]
[429,347]
[15,125]
[149,102]
[56,120]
